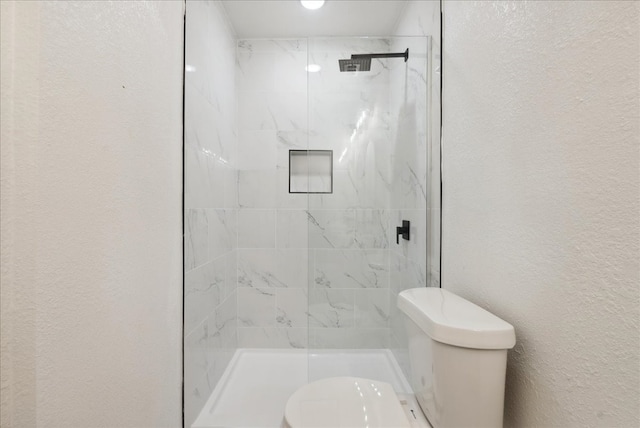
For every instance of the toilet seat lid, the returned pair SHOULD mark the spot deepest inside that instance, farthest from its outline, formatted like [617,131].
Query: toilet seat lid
[345,402]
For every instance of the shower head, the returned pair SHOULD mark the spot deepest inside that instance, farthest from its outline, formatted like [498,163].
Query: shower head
[361,64]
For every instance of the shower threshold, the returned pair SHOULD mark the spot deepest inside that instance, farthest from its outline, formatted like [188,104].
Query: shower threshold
[256,385]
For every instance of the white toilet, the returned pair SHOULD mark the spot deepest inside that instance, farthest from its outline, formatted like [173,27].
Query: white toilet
[458,354]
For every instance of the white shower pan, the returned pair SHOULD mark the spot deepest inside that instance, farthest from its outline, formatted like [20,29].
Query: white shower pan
[257,383]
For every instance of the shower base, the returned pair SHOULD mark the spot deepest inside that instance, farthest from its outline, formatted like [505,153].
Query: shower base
[257,383]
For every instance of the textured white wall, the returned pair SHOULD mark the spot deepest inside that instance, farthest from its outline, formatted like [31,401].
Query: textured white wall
[91,222]
[541,198]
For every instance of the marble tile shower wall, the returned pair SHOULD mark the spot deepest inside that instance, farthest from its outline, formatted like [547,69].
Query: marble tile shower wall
[349,232]
[313,270]
[272,236]
[210,322]
[410,195]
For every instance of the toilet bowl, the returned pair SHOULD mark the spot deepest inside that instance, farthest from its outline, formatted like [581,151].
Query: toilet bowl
[458,356]
[345,402]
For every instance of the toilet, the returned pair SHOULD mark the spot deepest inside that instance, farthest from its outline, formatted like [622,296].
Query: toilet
[458,356]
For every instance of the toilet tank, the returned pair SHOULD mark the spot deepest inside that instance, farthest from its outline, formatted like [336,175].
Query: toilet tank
[458,355]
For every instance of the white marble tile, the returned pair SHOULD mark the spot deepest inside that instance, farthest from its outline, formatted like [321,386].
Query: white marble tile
[357,110]
[290,74]
[196,395]
[210,201]
[221,339]
[291,307]
[293,266]
[433,247]
[415,274]
[274,69]
[231,272]
[331,308]
[197,386]
[289,111]
[210,51]
[256,228]
[345,194]
[203,179]
[257,150]
[330,80]
[366,163]
[204,289]
[196,363]
[255,71]
[286,200]
[372,229]
[257,189]
[258,268]
[397,265]
[223,325]
[289,140]
[408,273]
[409,175]
[196,180]
[207,127]
[196,238]
[372,308]
[331,228]
[230,180]
[256,307]
[220,359]
[253,111]
[280,268]
[272,45]
[223,229]
[292,229]
[411,159]
[282,111]
[349,338]
[266,337]
[338,269]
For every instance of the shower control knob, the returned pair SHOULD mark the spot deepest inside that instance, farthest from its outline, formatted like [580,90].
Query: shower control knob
[403,230]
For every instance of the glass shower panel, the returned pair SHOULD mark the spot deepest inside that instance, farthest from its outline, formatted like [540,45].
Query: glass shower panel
[375,122]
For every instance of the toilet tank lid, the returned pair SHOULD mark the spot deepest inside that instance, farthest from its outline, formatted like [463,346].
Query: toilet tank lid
[450,319]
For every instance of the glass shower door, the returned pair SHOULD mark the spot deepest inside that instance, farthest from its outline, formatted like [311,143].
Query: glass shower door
[375,125]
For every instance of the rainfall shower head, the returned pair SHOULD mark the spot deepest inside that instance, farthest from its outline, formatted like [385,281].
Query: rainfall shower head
[362,62]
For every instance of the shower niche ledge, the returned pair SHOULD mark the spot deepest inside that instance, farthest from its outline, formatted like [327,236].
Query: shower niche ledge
[310,171]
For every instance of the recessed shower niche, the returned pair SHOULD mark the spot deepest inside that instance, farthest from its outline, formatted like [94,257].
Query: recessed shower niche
[310,171]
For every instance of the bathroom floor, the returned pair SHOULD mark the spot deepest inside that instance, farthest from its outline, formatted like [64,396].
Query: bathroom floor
[258,382]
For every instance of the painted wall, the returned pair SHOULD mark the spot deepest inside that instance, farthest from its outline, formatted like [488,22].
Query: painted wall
[541,198]
[91,222]
[211,202]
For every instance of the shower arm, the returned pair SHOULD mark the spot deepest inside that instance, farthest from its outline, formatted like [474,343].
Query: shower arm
[404,55]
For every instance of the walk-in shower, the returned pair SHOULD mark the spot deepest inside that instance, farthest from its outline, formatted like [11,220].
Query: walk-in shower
[295,184]
[362,62]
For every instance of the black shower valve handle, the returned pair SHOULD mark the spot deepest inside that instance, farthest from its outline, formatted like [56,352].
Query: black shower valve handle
[403,230]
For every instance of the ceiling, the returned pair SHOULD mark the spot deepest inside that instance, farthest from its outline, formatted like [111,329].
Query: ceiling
[287,18]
